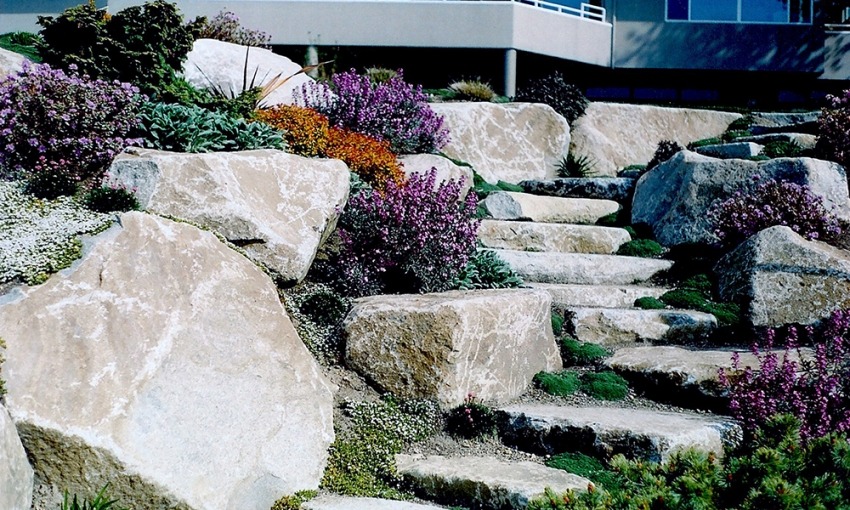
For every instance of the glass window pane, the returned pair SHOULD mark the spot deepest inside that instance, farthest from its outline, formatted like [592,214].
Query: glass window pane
[714,10]
[771,11]
[801,11]
[677,9]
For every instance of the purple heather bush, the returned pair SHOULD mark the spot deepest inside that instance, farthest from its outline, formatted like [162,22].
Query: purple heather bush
[393,110]
[772,203]
[67,126]
[815,389]
[407,238]
[225,26]
[834,130]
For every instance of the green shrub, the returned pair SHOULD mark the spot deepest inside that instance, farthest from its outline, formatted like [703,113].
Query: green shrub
[471,419]
[575,166]
[782,149]
[566,99]
[646,248]
[561,384]
[111,198]
[698,282]
[731,136]
[179,128]
[100,502]
[649,303]
[604,385]
[485,270]
[575,353]
[587,467]
[294,501]
[23,43]
[144,45]
[631,230]
[727,313]
[705,141]
[741,124]
[472,90]
[557,324]
[666,149]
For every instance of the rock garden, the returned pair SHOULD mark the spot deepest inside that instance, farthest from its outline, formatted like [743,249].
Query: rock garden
[228,285]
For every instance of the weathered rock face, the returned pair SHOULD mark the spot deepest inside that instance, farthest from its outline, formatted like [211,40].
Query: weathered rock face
[444,346]
[164,364]
[214,64]
[10,62]
[277,206]
[509,142]
[507,205]
[781,278]
[16,477]
[557,237]
[619,135]
[674,197]
[446,170]
[738,150]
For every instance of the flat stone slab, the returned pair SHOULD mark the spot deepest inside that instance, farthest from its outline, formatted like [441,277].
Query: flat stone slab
[582,268]
[804,140]
[16,475]
[736,150]
[483,482]
[619,326]
[444,346]
[601,296]
[773,122]
[333,502]
[551,237]
[509,205]
[606,188]
[607,431]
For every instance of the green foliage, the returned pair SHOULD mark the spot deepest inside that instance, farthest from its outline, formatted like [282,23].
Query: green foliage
[180,128]
[666,149]
[471,419]
[741,124]
[698,282]
[631,230]
[646,248]
[649,303]
[111,198]
[485,270]
[100,502]
[604,385]
[144,45]
[23,43]
[731,136]
[557,324]
[634,167]
[561,384]
[704,142]
[472,90]
[727,313]
[294,501]
[782,149]
[575,353]
[575,166]
[362,459]
[483,188]
[587,467]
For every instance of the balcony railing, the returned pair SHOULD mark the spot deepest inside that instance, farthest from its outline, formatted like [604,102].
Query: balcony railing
[586,11]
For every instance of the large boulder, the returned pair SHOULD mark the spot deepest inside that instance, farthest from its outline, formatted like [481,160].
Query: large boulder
[278,207]
[16,476]
[508,142]
[446,169]
[675,197]
[447,345]
[618,135]
[219,65]
[10,62]
[164,363]
[781,278]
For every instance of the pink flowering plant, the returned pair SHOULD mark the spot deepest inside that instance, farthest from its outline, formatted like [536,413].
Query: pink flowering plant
[406,238]
[64,125]
[393,110]
[772,203]
[815,388]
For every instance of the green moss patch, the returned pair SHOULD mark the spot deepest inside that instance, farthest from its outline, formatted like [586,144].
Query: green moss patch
[727,314]
[560,384]
[604,385]
[649,303]
[575,353]
[645,248]
[587,467]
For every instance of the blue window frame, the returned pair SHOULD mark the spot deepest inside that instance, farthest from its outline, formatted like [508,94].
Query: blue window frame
[740,11]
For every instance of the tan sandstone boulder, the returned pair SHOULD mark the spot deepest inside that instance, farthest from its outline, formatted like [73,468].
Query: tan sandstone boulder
[278,207]
[164,364]
[615,135]
[510,142]
[16,476]
[447,345]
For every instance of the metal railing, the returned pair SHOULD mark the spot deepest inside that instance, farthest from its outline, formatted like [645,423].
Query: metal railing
[586,11]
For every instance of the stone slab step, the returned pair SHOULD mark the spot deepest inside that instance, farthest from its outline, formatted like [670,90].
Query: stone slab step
[581,268]
[508,205]
[605,188]
[613,327]
[607,431]
[334,502]
[551,237]
[483,482]
[676,375]
[737,150]
[601,296]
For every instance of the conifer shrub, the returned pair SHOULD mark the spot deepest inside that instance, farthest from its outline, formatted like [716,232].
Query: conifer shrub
[392,111]
[306,131]
[565,98]
[62,127]
[406,239]
[666,149]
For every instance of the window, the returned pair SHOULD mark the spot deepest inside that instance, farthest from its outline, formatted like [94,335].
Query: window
[743,11]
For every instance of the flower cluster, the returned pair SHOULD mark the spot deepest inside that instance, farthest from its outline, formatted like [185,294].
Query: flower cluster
[407,238]
[471,419]
[65,125]
[834,130]
[772,203]
[394,110]
[814,388]
[225,26]
[306,131]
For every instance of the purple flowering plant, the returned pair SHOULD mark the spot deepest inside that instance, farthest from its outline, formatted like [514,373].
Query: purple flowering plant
[393,110]
[226,26]
[834,129]
[769,204]
[63,124]
[814,387]
[407,238]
